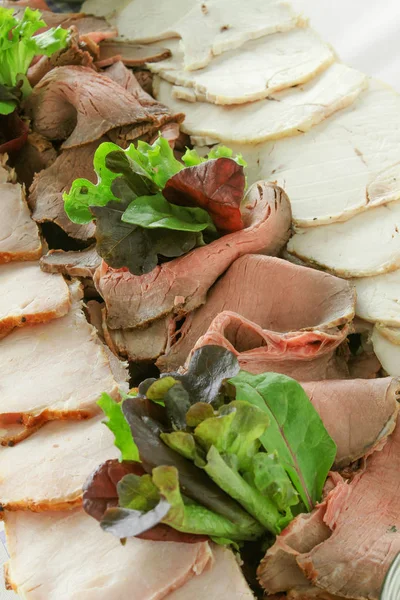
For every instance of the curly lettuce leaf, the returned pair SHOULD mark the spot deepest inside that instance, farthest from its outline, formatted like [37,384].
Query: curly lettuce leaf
[18,46]
[156,212]
[192,158]
[296,432]
[117,424]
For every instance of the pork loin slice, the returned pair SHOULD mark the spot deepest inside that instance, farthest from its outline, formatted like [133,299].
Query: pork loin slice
[303,355]
[19,235]
[378,298]
[363,517]
[67,556]
[46,192]
[345,165]
[181,285]
[206,29]
[66,348]
[78,105]
[358,414]
[28,295]
[323,302]
[47,470]
[366,245]
[74,264]
[386,343]
[254,71]
[224,580]
[281,114]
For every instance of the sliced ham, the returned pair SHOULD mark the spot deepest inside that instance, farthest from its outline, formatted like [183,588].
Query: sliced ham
[282,114]
[207,28]
[360,538]
[378,298]
[256,70]
[19,235]
[224,581]
[322,304]
[68,349]
[366,245]
[182,284]
[67,556]
[386,343]
[345,165]
[46,192]
[74,264]
[78,105]
[303,355]
[358,413]
[28,295]
[47,470]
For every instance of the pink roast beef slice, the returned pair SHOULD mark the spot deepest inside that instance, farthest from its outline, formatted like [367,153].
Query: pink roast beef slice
[279,571]
[357,413]
[363,517]
[78,105]
[181,285]
[303,355]
[273,293]
[37,154]
[132,55]
[46,191]
[74,264]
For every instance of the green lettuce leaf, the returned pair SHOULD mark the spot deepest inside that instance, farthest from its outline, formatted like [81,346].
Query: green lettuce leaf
[137,492]
[18,46]
[270,478]
[117,424]
[191,158]
[156,212]
[157,159]
[296,431]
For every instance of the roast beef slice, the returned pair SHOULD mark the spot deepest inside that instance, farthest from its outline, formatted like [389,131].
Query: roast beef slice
[36,154]
[132,55]
[46,192]
[358,414]
[47,470]
[19,235]
[74,264]
[28,295]
[276,296]
[67,556]
[363,518]
[181,285]
[54,370]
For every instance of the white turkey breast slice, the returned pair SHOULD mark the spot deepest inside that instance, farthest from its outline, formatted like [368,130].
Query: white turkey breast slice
[254,71]
[28,295]
[368,244]
[378,298]
[67,556]
[386,343]
[53,370]
[223,581]
[346,164]
[282,114]
[47,470]
[206,28]
[19,235]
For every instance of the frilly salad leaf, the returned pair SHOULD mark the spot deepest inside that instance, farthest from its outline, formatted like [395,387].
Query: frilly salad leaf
[18,46]
[117,424]
[296,432]
[191,158]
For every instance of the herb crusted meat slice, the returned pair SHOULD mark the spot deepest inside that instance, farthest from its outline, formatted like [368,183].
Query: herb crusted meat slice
[78,105]
[182,284]
[67,556]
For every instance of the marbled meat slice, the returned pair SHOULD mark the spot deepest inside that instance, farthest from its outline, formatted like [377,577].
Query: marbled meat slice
[19,235]
[28,295]
[47,470]
[67,556]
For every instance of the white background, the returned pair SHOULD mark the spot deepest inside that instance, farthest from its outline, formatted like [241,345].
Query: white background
[364,33]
